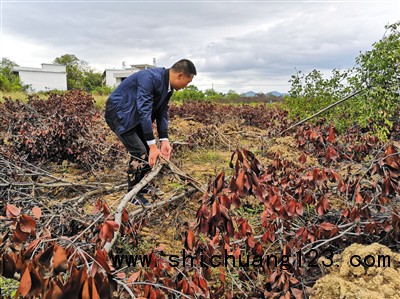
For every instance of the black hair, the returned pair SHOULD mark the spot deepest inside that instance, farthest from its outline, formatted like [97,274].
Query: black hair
[185,66]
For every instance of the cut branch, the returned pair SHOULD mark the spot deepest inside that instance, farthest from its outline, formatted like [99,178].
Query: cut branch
[118,215]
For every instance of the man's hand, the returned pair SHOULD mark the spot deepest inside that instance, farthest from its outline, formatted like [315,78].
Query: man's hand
[153,155]
[166,149]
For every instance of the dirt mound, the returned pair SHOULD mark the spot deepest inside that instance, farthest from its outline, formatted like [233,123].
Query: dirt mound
[379,277]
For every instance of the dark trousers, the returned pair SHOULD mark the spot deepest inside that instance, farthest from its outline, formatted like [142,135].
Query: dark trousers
[136,144]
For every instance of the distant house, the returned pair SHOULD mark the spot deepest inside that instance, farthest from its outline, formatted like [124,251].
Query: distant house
[49,77]
[113,77]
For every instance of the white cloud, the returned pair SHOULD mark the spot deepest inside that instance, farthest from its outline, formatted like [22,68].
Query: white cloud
[236,45]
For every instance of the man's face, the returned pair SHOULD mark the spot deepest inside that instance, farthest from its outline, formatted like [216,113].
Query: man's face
[181,81]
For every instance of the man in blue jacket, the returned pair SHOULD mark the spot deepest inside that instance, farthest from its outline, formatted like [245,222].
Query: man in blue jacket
[133,106]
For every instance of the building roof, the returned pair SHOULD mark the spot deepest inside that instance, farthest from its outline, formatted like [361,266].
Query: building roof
[129,69]
[142,66]
[46,67]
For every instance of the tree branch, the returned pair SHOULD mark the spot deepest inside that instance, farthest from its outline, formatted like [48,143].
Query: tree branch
[118,215]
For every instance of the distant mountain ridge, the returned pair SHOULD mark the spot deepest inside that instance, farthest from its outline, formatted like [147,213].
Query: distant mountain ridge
[278,94]
[249,94]
[274,93]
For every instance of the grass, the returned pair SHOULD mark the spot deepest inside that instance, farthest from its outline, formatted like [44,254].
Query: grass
[8,286]
[15,95]
[100,101]
[208,157]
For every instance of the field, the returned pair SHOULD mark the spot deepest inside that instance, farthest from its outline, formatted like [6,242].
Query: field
[263,214]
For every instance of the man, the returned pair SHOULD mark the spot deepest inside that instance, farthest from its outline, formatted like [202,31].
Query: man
[134,105]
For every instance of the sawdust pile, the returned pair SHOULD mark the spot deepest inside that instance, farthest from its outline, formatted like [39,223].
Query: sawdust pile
[377,279]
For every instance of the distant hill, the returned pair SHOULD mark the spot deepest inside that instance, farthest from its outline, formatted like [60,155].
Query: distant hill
[273,93]
[277,93]
[249,94]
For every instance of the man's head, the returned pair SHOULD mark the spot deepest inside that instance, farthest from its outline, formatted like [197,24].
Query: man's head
[181,74]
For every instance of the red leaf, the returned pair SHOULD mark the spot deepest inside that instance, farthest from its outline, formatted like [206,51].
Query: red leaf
[327,226]
[308,199]
[250,241]
[313,134]
[27,224]
[236,253]
[240,181]
[12,211]
[325,202]
[291,208]
[86,291]
[202,283]
[225,201]
[107,230]
[331,154]
[303,158]
[315,174]
[25,283]
[331,137]
[19,236]
[236,201]
[98,206]
[95,294]
[37,212]
[216,212]
[229,228]
[222,274]
[320,209]
[335,175]
[133,277]
[106,233]
[298,294]
[101,258]
[190,239]
[125,216]
[106,210]
[391,157]
[247,181]
[359,198]
[299,208]
[60,259]
[219,183]
[300,231]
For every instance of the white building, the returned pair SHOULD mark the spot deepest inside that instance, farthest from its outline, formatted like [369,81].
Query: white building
[113,77]
[49,77]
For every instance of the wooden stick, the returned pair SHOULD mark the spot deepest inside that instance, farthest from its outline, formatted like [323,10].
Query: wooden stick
[321,111]
[118,215]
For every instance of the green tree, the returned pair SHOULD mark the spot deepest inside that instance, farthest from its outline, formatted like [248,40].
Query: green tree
[232,95]
[379,70]
[190,93]
[79,74]
[92,80]
[376,74]
[9,81]
[212,95]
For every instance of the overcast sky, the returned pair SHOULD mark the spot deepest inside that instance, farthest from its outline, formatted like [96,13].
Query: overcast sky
[239,45]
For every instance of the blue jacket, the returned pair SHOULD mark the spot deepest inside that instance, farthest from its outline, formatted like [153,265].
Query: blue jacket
[139,100]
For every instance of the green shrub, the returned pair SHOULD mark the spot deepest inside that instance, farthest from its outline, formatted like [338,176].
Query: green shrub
[376,74]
